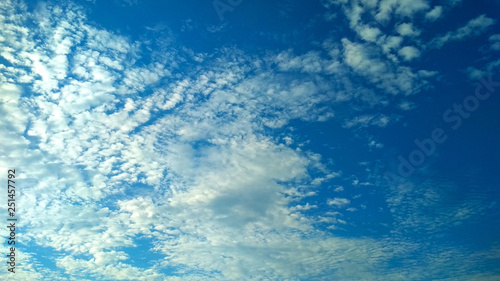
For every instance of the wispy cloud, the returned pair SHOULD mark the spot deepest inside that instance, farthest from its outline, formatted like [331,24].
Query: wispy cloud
[474,27]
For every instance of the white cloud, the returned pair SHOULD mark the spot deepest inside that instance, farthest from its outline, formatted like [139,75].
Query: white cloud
[338,202]
[474,27]
[412,199]
[367,120]
[310,62]
[392,78]
[409,53]
[378,58]
[375,144]
[15,119]
[475,73]
[401,8]
[369,33]
[491,66]
[391,43]
[434,14]
[406,105]
[495,42]
[407,29]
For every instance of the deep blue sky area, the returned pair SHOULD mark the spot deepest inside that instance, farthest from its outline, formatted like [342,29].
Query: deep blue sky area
[251,140]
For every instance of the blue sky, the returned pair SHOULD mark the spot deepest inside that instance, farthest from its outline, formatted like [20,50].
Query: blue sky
[248,140]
